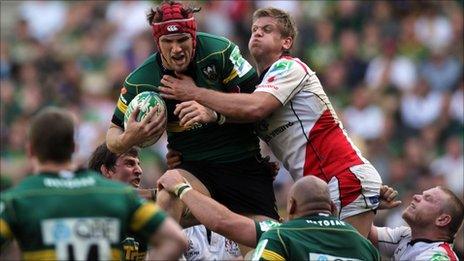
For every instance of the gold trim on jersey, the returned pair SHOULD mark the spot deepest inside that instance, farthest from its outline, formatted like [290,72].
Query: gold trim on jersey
[5,230]
[121,106]
[231,76]
[176,127]
[141,216]
[271,255]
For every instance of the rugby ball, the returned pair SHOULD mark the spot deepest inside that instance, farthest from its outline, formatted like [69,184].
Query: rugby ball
[145,101]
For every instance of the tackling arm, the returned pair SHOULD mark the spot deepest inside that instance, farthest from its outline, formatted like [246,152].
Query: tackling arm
[240,107]
[209,212]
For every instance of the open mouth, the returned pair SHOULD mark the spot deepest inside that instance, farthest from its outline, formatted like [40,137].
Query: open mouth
[135,182]
[178,58]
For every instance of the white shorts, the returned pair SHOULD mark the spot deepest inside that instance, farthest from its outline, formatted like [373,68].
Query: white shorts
[356,190]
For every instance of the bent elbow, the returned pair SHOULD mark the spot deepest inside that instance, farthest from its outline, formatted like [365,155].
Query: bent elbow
[257,113]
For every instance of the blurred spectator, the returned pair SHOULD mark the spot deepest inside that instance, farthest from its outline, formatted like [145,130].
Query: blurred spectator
[362,117]
[408,44]
[457,104]
[441,71]
[421,106]
[389,68]
[324,50]
[44,17]
[450,166]
[433,29]
[128,19]
[349,56]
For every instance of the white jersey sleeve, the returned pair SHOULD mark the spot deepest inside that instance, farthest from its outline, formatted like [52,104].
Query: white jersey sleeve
[390,239]
[285,78]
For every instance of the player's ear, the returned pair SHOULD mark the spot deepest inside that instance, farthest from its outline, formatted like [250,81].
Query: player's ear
[105,171]
[292,208]
[443,220]
[333,208]
[287,43]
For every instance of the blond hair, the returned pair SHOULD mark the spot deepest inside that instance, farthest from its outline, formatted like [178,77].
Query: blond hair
[285,22]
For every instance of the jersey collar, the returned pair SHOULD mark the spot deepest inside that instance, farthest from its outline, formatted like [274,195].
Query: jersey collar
[412,242]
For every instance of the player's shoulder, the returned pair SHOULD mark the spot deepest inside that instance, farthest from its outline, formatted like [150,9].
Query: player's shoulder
[209,43]
[289,64]
[144,74]
[437,251]
[211,47]
[26,184]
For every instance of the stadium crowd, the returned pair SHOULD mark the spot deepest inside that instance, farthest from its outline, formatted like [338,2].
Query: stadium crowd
[393,71]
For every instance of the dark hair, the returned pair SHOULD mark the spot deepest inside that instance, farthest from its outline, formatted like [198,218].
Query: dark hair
[455,208]
[51,135]
[102,156]
[156,15]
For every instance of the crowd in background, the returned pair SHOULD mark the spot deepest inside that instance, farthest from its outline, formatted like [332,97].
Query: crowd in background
[393,71]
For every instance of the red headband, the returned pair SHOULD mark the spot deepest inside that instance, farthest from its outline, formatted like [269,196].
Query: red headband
[174,22]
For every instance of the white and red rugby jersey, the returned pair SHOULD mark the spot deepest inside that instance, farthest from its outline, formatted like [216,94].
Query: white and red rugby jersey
[305,134]
[396,243]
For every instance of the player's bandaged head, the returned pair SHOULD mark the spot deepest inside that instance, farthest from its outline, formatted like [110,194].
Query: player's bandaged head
[173,18]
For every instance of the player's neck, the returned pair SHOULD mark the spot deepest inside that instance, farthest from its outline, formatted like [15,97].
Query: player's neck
[264,62]
[427,233]
[53,167]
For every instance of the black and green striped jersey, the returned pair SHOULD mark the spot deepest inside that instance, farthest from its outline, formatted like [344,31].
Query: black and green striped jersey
[217,65]
[316,237]
[74,216]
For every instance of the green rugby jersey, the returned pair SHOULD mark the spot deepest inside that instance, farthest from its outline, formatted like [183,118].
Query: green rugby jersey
[217,65]
[74,216]
[316,237]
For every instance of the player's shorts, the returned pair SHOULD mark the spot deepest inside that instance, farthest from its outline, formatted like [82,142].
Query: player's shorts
[244,186]
[356,190]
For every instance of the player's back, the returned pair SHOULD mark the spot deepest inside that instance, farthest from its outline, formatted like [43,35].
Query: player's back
[316,237]
[68,216]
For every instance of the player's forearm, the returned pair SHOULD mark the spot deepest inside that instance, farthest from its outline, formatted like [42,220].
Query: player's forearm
[220,219]
[237,107]
[115,140]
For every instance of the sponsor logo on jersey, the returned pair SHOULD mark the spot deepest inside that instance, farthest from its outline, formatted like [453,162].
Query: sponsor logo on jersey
[325,257]
[241,66]
[271,79]
[281,65]
[267,86]
[79,237]
[191,252]
[268,224]
[210,72]
[172,28]
[69,183]
[326,223]
[232,247]
[439,256]
[374,200]
[277,131]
